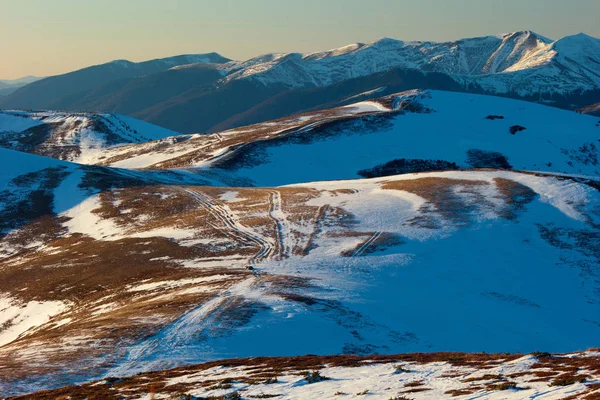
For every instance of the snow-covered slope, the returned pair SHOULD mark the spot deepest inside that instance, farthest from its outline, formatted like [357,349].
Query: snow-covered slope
[145,263]
[462,130]
[463,260]
[187,151]
[79,137]
[520,62]
[407,376]
[414,131]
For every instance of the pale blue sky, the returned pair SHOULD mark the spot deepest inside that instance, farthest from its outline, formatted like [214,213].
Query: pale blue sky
[45,37]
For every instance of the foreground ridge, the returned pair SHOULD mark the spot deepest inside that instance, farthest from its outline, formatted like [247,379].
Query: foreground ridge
[404,376]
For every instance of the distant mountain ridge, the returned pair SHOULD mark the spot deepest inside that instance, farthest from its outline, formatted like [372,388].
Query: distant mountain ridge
[212,93]
[8,86]
[518,61]
[48,92]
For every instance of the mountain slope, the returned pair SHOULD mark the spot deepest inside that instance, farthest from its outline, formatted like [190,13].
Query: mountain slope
[80,137]
[520,62]
[467,130]
[20,81]
[262,241]
[593,109]
[413,131]
[476,56]
[49,92]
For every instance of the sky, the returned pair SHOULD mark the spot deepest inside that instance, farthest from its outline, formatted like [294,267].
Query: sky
[49,37]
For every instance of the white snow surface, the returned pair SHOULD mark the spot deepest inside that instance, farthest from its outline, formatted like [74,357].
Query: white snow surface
[381,381]
[554,140]
[17,318]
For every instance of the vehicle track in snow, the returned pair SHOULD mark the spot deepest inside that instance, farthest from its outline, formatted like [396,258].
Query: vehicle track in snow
[318,228]
[282,230]
[358,252]
[233,226]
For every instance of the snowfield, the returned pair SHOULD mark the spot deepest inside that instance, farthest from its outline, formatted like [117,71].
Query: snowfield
[419,128]
[18,319]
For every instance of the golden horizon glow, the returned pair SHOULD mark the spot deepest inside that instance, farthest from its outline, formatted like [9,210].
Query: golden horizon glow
[45,38]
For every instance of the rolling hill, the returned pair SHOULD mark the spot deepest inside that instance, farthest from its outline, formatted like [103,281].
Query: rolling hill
[412,376]
[79,137]
[414,131]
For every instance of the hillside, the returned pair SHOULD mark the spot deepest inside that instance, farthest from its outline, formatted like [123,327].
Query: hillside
[407,376]
[520,62]
[452,129]
[415,131]
[80,137]
[206,273]
[218,94]
[593,109]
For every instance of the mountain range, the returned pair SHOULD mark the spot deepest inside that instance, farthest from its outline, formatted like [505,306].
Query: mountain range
[208,93]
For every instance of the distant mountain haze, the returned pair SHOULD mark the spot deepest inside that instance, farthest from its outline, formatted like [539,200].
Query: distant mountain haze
[10,85]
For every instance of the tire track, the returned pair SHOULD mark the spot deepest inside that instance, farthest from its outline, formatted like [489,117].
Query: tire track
[366,244]
[282,231]
[318,228]
[233,226]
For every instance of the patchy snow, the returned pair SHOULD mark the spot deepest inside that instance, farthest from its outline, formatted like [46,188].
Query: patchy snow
[230,197]
[394,298]
[162,285]
[84,220]
[79,137]
[381,381]
[18,318]
[147,159]
[376,380]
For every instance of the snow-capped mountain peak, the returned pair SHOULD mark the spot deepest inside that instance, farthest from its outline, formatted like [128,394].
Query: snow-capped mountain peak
[521,62]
